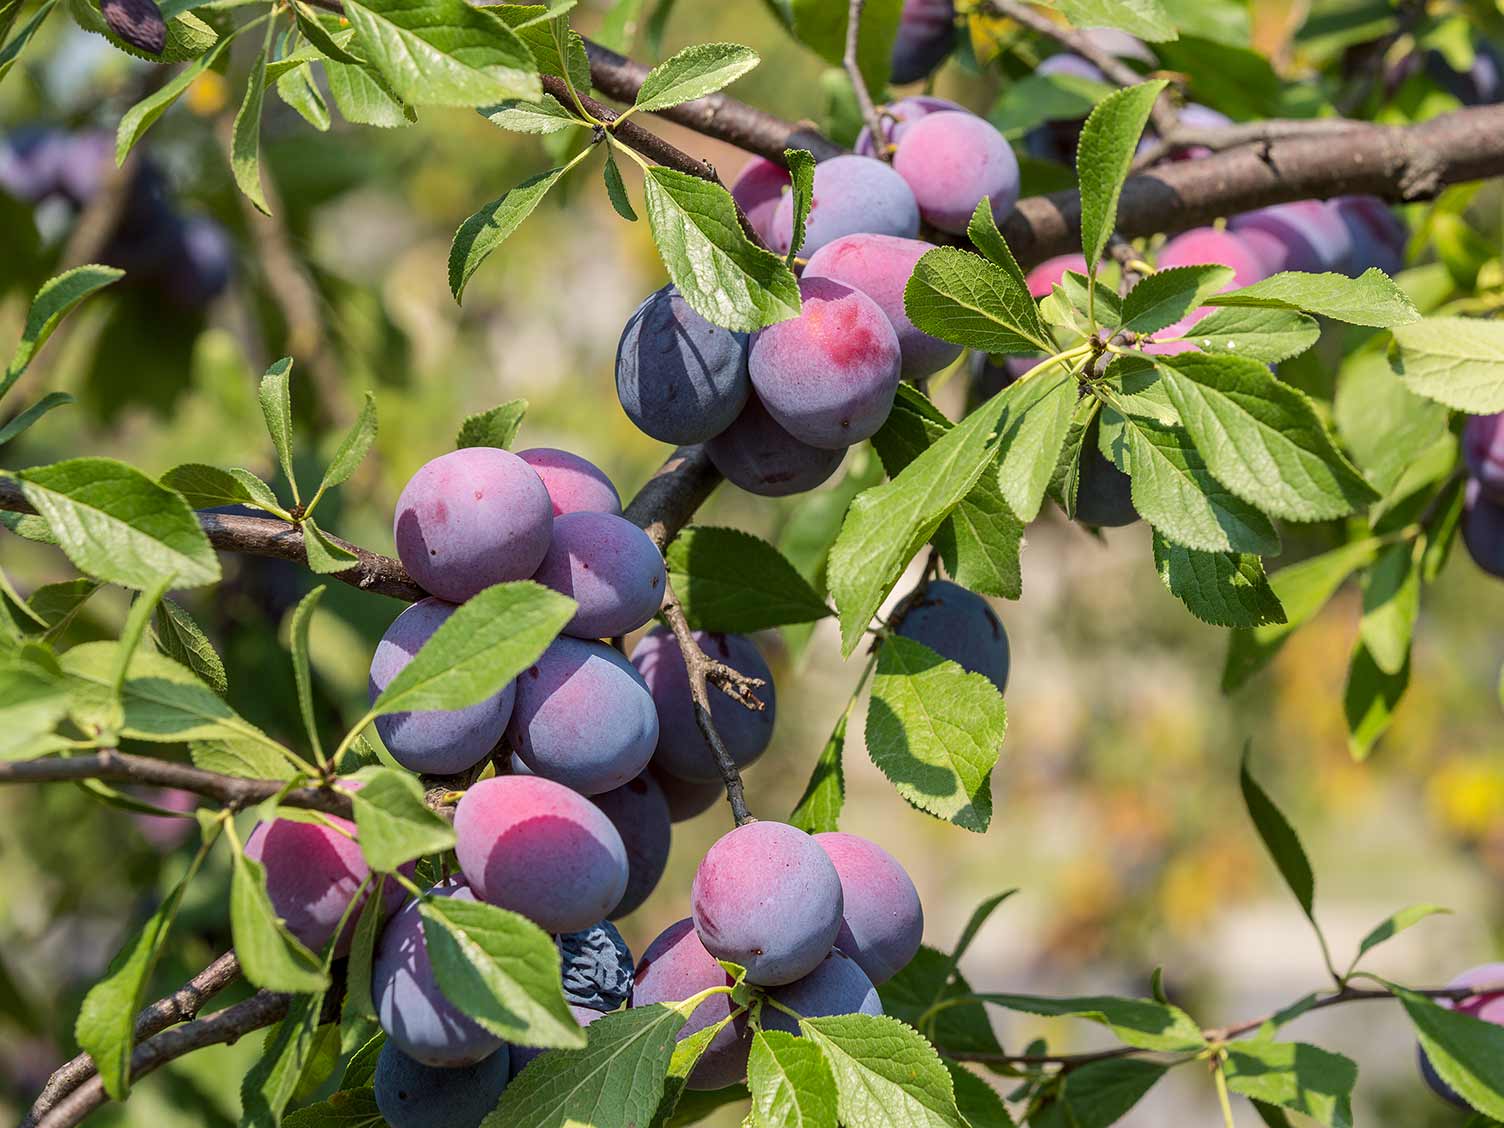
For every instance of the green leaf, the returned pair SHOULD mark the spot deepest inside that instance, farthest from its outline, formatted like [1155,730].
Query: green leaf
[243,759]
[134,628]
[1370,698]
[1281,841]
[1385,425]
[616,188]
[1392,925]
[1267,335]
[731,581]
[1174,491]
[1225,589]
[1262,438]
[982,230]
[117,525]
[297,643]
[961,1026]
[57,298]
[1164,297]
[1458,361]
[979,916]
[886,1075]
[490,639]
[394,825]
[501,969]
[188,37]
[802,185]
[348,1108]
[275,395]
[272,1081]
[792,1086]
[324,554]
[1039,98]
[31,705]
[1465,1051]
[618,1077]
[1370,299]
[1101,1093]
[1294,1075]
[548,115]
[935,730]
[693,73]
[25,419]
[1391,604]
[363,96]
[534,25]
[444,52]
[978,1102]
[819,808]
[143,115]
[1146,19]
[726,278]
[1108,142]
[1302,589]
[207,487]
[963,298]
[494,428]
[271,956]
[488,228]
[245,138]
[358,1001]
[12,50]
[1142,1023]
[679,1105]
[353,447]
[821,25]
[1032,434]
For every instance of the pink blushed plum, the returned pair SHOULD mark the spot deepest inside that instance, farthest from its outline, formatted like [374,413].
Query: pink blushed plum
[539,849]
[898,116]
[882,922]
[1314,237]
[952,162]
[676,967]
[609,567]
[1047,275]
[574,484]
[758,188]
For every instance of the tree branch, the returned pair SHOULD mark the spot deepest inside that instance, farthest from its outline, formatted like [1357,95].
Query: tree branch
[853,67]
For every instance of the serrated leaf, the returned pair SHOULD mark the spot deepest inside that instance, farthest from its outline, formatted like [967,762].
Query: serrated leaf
[207,487]
[324,554]
[1458,361]
[1267,335]
[616,188]
[983,232]
[348,1108]
[270,1084]
[393,824]
[694,72]
[978,1102]
[1031,436]
[117,525]
[731,581]
[534,25]
[1370,698]
[271,956]
[140,117]
[331,45]
[792,1086]
[275,395]
[819,808]
[1146,19]
[961,1026]
[1391,604]
[1225,589]
[1143,1023]
[886,1075]
[1392,925]
[935,730]
[1371,299]
[488,228]
[243,759]
[1164,297]
[444,52]
[1101,1093]
[17,43]
[966,299]
[490,639]
[353,447]
[1465,1051]
[1294,1075]
[364,98]
[494,428]
[726,278]
[56,298]
[1386,426]
[547,115]
[31,705]
[1108,142]
[1281,841]
[359,1003]
[1262,439]
[25,419]
[245,137]
[801,165]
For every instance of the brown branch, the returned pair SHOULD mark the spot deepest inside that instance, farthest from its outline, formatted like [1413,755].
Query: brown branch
[182,1005]
[1223,137]
[670,497]
[631,134]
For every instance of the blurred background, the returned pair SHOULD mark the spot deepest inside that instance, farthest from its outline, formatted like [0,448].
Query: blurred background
[1118,816]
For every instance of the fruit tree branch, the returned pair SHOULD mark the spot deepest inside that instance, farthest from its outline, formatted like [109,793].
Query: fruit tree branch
[851,63]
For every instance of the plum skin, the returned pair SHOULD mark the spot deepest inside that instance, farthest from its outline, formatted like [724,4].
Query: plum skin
[880,266]
[852,195]
[640,812]
[926,34]
[958,625]
[537,848]
[681,750]
[416,1015]
[1483,450]
[410,1094]
[828,376]
[952,161]
[686,798]
[679,378]
[523,1056]
[584,717]
[472,518]
[882,920]
[1483,529]
[609,567]
[767,897]
[435,741]
[757,189]
[838,985]
[574,484]
[759,456]
[898,116]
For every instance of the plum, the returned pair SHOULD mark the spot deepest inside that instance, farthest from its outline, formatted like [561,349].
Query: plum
[1378,235]
[1483,450]
[897,117]
[852,195]
[1047,275]
[926,34]
[1312,236]
[1483,529]
[838,985]
[574,484]
[1487,1007]
[523,1056]
[640,813]
[676,967]
[758,188]
[952,161]
[958,625]
[410,1094]
[882,921]
[609,567]
[759,456]
[686,798]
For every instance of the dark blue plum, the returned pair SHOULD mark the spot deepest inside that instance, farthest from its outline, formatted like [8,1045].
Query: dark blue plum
[926,34]
[687,798]
[680,379]
[641,816]
[201,263]
[1378,235]
[836,986]
[31,163]
[523,1056]
[410,1094]
[1104,494]
[1483,530]
[759,456]
[958,625]
[1483,449]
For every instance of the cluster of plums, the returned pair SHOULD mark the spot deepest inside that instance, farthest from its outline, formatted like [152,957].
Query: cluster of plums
[1483,499]
[185,258]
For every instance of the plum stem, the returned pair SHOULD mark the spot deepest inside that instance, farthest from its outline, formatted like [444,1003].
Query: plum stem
[853,67]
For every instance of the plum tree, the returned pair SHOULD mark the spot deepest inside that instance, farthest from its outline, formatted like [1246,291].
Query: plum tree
[1483,529]
[767,897]
[537,848]
[1483,450]
[676,966]
[896,117]
[926,34]
[757,189]
[419,1019]
[440,741]
[829,375]
[574,484]
[313,872]
[759,456]
[852,195]
[472,518]
[640,813]
[882,921]
[952,161]
[1486,1007]
[682,752]
[584,717]
[879,266]
[523,1056]
[838,985]
[680,379]
[958,625]
[608,566]
[410,1094]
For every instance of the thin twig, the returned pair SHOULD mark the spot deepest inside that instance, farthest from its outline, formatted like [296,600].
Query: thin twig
[852,63]
[1219,139]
